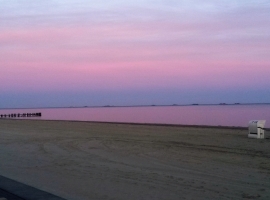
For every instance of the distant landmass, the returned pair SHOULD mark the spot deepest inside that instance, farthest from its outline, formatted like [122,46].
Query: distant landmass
[152,105]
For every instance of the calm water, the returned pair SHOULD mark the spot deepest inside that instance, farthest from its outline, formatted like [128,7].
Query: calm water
[224,115]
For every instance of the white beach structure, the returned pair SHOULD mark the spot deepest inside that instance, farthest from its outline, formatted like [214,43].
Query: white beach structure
[256,129]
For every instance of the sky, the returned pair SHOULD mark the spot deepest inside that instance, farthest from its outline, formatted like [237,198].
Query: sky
[93,53]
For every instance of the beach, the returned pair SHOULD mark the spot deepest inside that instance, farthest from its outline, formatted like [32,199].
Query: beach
[87,160]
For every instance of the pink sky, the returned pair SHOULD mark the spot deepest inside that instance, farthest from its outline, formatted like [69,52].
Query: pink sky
[126,53]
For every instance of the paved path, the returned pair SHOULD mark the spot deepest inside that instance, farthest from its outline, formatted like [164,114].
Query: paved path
[4,195]
[13,190]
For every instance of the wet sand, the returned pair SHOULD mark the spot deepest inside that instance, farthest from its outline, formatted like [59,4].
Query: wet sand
[81,161]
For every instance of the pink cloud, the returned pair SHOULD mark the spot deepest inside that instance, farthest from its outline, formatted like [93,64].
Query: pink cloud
[122,55]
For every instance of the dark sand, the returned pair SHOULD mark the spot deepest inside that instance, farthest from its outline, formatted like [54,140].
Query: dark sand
[80,160]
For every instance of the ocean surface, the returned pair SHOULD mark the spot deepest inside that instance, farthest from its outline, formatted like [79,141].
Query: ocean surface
[213,115]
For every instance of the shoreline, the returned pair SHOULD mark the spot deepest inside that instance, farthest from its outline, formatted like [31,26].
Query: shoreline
[139,124]
[135,123]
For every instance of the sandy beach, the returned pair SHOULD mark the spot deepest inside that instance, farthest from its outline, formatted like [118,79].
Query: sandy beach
[84,161]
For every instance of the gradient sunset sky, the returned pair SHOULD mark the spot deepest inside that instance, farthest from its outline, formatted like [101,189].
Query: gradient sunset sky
[123,52]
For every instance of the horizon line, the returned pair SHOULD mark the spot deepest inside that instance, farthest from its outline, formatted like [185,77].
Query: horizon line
[149,105]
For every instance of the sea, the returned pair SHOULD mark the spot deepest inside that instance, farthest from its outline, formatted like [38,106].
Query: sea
[206,115]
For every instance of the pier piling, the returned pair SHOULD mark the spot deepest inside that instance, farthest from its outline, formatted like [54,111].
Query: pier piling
[17,115]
